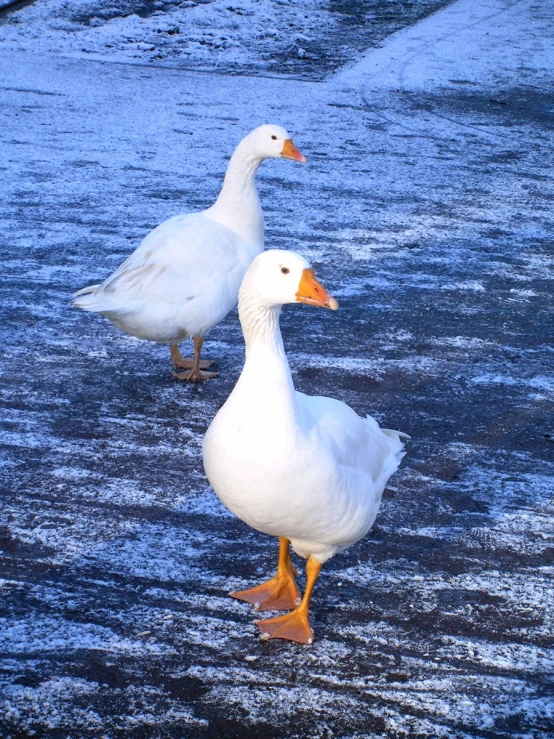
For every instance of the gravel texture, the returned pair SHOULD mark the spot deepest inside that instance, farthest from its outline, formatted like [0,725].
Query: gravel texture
[426,210]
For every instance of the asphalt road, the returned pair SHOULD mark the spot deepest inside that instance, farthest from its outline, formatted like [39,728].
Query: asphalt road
[427,212]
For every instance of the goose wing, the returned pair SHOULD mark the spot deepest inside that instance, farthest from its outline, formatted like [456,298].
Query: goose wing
[351,441]
[174,263]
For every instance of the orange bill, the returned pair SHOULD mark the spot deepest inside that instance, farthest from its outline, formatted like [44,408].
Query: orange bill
[312,292]
[291,152]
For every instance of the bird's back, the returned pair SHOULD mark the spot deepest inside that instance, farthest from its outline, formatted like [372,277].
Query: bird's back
[185,274]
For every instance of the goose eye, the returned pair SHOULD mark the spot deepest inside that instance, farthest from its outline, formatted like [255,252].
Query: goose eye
[274,138]
[285,270]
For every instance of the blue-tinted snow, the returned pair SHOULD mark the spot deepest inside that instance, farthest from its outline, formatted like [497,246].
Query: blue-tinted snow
[426,207]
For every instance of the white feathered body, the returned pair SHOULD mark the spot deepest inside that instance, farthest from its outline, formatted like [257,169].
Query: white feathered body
[288,464]
[181,281]
[185,276]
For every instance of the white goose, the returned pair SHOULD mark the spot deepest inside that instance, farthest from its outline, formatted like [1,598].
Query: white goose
[185,276]
[306,469]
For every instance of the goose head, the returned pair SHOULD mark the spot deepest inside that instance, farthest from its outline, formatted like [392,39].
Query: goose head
[269,141]
[277,277]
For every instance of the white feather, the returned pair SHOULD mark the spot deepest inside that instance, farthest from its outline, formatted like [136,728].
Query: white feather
[304,467]
[184,277]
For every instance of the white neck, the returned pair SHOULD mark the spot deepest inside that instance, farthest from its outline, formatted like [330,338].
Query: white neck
[238,205]
[266,374]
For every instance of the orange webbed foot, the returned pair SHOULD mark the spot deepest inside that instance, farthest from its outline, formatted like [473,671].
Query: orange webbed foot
[294,626]
[195,365]
[183,363]
[278,594]
[194,375]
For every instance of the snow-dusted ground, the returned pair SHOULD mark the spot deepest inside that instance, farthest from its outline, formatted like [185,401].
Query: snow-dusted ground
[307,38]
[426,207]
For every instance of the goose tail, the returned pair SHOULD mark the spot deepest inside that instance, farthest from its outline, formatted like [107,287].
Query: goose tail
[86,298]
[400,434]
[396,440]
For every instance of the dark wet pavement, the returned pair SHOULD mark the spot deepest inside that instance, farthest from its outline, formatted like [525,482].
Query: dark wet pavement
[429,216]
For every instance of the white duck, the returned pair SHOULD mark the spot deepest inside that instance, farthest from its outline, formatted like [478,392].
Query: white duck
[306,469]
[185,276]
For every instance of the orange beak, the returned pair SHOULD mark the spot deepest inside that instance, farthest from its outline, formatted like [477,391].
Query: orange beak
[291,152]
[310,291]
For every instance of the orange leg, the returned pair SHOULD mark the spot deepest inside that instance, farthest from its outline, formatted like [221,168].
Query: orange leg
[179,362]
[195,374]
[295,625]
[278,594]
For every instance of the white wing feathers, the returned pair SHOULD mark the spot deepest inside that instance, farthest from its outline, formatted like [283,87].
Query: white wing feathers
[172,264]
[353,441]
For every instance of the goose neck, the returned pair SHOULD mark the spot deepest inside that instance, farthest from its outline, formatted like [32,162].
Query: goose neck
[266,364]
[238,206]
[239,182]
[260,325]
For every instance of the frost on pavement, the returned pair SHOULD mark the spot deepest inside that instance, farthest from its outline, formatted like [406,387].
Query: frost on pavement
[426,208]
[288,37]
